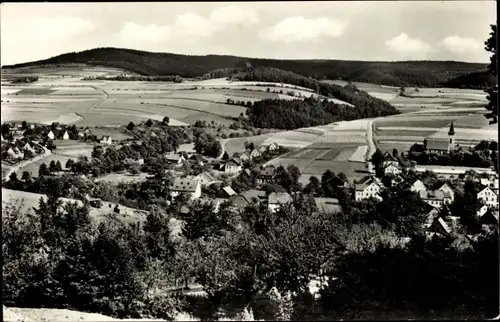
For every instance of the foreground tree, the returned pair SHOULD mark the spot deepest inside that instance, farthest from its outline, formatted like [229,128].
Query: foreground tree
[491,46]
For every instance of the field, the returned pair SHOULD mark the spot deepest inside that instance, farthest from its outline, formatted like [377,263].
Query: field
[61,95]
[29,200]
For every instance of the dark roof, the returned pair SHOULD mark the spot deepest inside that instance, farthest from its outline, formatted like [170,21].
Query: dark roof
[368,181]
[452,130]
[279,198]
[184,185]
[437,144]
[389,157]
[197,157]
[439,226]
[253,193]
[234,160]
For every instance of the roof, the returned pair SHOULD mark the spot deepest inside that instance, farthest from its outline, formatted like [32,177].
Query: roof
[237,161]
[206,176]
[268,171]
[439,225]
[437,144]
[197,157]
[434,195]
[173,157]
[279,198]
[184,185]
[229,191]
[328,205]
[362,186]
[253,193]
[105,137]
[389,157]
[255,151]
[452,130]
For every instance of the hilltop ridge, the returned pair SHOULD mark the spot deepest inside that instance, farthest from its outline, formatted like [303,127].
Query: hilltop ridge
[402,73]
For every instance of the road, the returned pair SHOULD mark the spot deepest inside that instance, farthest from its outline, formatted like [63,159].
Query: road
[369,140]
[223,148]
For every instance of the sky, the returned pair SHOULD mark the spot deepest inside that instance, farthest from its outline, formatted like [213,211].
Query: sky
[350,30]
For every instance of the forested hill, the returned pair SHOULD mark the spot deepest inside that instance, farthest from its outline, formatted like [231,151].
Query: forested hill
[409,73]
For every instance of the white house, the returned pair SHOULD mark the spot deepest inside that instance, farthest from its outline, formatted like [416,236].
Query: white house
[262,149]
[245,157]
[446,188]
[65,135]
[435,198]
[431,216]
[27,147]
[371,187]
[51,135]
[273,147]
[418,186]
[254,154]
[11,153]
[232,166]
[204,178]
[488,197]
[392,169]
[106,139]
[177,159]
[482,210]
[183,185]
[278,199]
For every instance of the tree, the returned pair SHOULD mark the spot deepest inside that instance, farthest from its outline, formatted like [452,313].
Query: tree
[377,160]
[166,120]
[69,164]
[491,46]
[43,170]
[149,123]
[58,166]
[134,170]
[130,126]
[24,125]
[26,176]
[13,177]
[52,166]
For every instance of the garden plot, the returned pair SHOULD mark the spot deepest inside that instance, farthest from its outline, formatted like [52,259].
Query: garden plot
[299,163]
[342,137]
[359,155]
[310,154]
[350,169]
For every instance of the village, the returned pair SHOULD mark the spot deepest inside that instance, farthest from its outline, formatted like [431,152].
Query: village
[245,179]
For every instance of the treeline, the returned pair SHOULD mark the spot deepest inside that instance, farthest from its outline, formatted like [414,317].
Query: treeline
[293,114]
[137,78]
[25,79]
[407,73]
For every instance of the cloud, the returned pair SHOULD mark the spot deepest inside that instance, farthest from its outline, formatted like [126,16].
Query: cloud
[300,29]
[61,27]
[150,33]
[403,44]
[189,26]
[462,45]
[233,15]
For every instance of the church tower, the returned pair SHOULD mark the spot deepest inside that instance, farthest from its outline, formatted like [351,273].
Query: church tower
[451,133]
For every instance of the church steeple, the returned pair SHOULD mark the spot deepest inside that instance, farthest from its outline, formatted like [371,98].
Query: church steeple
[452,130]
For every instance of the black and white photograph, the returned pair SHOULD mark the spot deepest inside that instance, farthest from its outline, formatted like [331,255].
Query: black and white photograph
[249,161]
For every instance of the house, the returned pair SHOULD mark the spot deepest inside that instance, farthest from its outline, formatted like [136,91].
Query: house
[490,217]
[392,169]
[273,147]
[65,135]
[277,199]
[371,187]
[488,197]
[482,210]
[204,178]
[432,214]
[446,188]
[439,226]
[87,131]
[51,135]
[198,159]
[244,157]
[183,185]
[177,159]
[247,197]
[11,153]
[389,159]
[441,145]
[262,149]
[227,192]
[267,174]
[27,147]
[329,206]
[106,139]
[232,166]
[435,198]
[81,135]
[255,154]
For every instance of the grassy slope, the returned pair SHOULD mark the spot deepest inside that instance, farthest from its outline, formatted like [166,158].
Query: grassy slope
[412,73]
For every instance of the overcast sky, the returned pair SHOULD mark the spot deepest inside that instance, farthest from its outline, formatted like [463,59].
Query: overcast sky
[399,30]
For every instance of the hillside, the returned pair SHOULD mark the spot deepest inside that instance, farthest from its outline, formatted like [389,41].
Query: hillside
[408,73]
